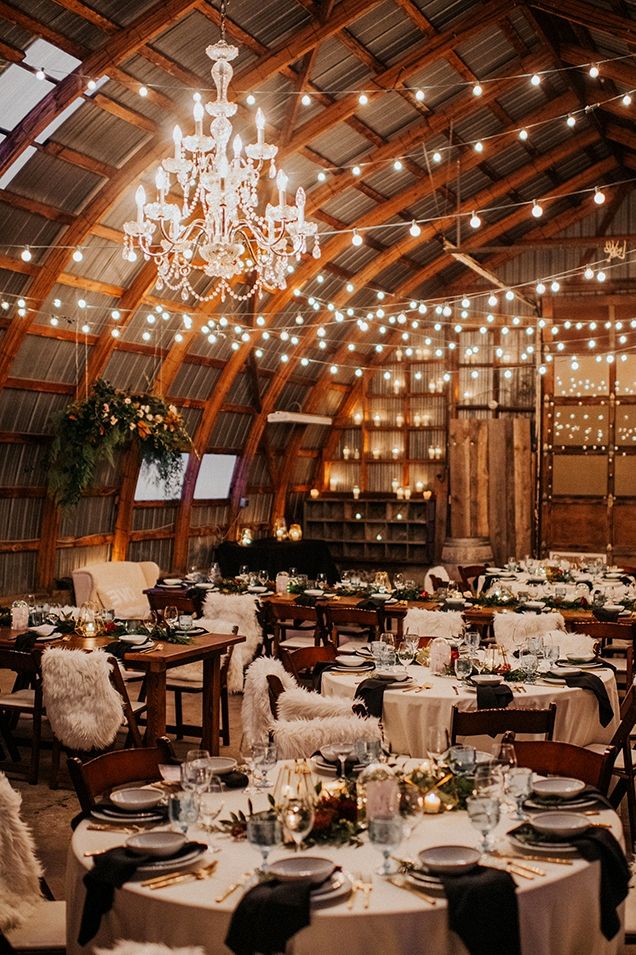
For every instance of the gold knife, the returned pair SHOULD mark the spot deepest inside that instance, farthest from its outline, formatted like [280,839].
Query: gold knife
[232,888]
[558,860]
[411,888]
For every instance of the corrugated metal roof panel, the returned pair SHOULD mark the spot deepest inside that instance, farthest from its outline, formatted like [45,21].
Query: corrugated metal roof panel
[68,558]
[269,21]
[20,519]
[130,371]
[158,550]
[29,411]
[90,128]
[195,381]
[95,515]
[56,182]
[335,70]
[63,21]
[24,467]
[186,41]
[47,361]
[153,518]
[230,430]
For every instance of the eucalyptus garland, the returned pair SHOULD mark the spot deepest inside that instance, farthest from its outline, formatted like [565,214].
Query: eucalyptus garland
[92,429]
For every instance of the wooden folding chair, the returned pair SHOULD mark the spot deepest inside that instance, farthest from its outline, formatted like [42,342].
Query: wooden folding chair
[355,623]
[24,700]
[469,574]
[96,777]
[550,758]
[295,625]
[300,663]
[615,643]
[492,722]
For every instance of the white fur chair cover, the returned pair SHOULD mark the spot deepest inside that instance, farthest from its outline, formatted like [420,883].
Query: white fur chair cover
[298,703]
[124,946]
[83,707]
[19,867]
[222,612]
[298,739]
[433,623]
[508,626]
[256,715]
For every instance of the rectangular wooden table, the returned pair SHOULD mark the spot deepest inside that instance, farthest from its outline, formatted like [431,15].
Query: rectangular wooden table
[208,647]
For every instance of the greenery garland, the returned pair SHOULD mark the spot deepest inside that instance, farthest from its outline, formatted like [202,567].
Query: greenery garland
[108,420]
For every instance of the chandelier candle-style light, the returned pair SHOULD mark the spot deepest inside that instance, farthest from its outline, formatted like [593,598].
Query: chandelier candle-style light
[217,231]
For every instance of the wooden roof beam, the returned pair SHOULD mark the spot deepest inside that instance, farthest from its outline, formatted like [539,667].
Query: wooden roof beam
[590,16]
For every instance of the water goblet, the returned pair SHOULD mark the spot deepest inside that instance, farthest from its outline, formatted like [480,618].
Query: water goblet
[250,753]
[398,581]
[368,751]
[484,813]
[214,573]
[321,581]
[264,759]
[263,578]
[297,816]
[472,639]
[185,622]
[197,754]
[183,809]
[405,654]
[388,638]
[386,835]
[196,774]
[535,645]
[487,780]
[528,664]
[462,758]
[211,805]
[244,572]
[519,787]
[265,832]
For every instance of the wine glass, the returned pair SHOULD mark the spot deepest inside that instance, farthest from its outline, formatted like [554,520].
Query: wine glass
[386,835]
[321,581]
[484,813]
[342,750]
[196,774]
[463,667]
[265,832]
[244,572]
[436,743]
[398,581]
[250,752]
[171,616]
[210,805]
[520,787]
[405,655]
[183,809]
[487,780]
[214,573]
[197,754]
[388,638]
[264,760]
[263,578]
[472,639]
[297,815]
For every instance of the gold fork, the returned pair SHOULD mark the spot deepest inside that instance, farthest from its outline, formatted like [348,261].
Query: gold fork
[233,887]
[174,878]
[366,884]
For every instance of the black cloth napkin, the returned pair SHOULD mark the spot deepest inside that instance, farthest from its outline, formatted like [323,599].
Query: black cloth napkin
[493,697]
[117,649]
[371,692]
[110,870]
[317,672]
[25,642]
[267,916]
[235,780]
[482,910]
[600,844]
[589,681]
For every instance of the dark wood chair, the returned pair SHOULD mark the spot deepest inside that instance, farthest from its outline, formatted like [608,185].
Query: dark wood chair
[180,686]
[274,689]
[130,712]
[24,700]
[96,777]
[616,642]
[295,625]
[623,770]
[492,722]
[358,623]
[550,758]
[469,573]
[300,663]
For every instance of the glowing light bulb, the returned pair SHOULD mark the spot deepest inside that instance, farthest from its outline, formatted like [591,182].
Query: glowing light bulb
[535,79]
[397,165]
[479,146]
[437,156]
[420,96]
[594,71]
[477,90]
[40,75]
[356,238]
[415,229]
[540,288]
[321,177]
[143,91]
[250,99]
[355,171]
[523,134]
[555,286]
[599,196]
[474,221]
[627,100]
[588,273]
[537,209]
[601,276]
[363,99]
[571,121]
[306,99]
[77,255]
[25,255]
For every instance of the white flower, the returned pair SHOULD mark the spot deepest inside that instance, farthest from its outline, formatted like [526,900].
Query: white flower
[113,419]
[127,401]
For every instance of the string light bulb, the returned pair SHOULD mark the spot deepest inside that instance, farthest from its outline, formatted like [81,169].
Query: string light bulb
[479,146]
[523,134]
[420,96]
[250,99]
[588,273]
[77,255]
[571,121]
[397,165]
[363,99]
[627,100]
[437,156]
[306,99]
[535,79]
[599,196]
[537,209]
[477,90]
[26,255]
[594,71]
[415,229]
[355,171]
[356,238]
[143,91]
[474,221]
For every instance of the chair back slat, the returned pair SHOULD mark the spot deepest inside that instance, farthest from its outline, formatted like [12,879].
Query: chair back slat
[492,722]
[550,758]
[93,778]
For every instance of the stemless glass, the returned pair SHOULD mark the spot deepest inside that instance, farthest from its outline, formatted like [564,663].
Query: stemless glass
[484,813]
[386,835]
[185,622]
[183,809]
[297,816]
[263,578]
[519,787]
[463,667]
[265,832]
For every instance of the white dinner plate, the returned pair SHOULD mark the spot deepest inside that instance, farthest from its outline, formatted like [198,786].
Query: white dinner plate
[314,593]
[564,805]
[544,848]
[203,586]
[338,887]
[592,665]
[361,668]
[123,819]
[422,880]
[170,586]
[168,865]
[330,769]
[52,636]
[316,869]
[565,825]
[257,590]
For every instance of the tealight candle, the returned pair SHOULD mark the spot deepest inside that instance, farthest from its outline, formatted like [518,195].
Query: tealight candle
[313,494]
[395,485]
[419,486]
[432,803]
[355,490]
[346,453]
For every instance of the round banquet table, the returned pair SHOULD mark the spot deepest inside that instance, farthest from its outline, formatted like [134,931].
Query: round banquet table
[406,716]
[559,913]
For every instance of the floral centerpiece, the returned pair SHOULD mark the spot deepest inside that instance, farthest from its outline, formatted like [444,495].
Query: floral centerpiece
[107,420]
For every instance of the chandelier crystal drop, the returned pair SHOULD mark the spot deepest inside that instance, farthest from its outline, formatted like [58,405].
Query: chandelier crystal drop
[216,230]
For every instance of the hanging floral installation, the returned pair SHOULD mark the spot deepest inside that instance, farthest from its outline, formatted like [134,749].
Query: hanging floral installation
[92,429]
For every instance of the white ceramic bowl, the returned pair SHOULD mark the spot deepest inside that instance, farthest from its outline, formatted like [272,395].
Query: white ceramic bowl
[561,823]
[455,602]
[580,657]
[221,764]
[159,844]
[350,660]
[136,798]
[314,593]
[135,639]
[449,860]
[307,868]
[561,672]
[172,581]
[534,604]
[487,679]
[563,787]
[613,608]
[257,589]
[379,596]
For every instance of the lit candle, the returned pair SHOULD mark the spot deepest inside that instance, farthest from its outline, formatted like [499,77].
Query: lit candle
[260,125]
[346,453]
[357,418]
[417,420]
[281,182]
[395,453]
[197,112]
[375,453]
[395,485]
[407,493]
[377,420]
[400,494]
[432,803]
[176,138]
[419,486]
[313,494]
[356,492]
[140,198]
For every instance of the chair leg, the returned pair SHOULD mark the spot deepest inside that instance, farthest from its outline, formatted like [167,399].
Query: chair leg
[225,717]
[178,713]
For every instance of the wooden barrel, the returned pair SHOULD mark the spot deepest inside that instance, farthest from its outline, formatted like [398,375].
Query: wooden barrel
[466,550]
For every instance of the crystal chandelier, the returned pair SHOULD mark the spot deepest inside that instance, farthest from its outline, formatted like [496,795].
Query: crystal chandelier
[216,230]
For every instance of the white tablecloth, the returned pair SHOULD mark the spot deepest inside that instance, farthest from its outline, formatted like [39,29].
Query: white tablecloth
[559,913]
[407,716]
